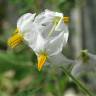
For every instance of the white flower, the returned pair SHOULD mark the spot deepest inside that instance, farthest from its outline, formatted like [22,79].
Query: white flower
[85,64]
[24,30]
[53,35]
[45,33]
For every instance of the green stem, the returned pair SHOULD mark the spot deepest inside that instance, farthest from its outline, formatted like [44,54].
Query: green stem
[78,83]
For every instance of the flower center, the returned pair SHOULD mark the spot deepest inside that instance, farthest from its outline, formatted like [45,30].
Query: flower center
[41,61]
[16,39]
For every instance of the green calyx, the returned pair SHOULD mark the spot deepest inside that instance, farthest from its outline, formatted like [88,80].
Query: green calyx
[84,56]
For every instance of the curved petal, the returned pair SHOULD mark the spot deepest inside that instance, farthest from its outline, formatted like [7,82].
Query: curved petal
[20,20]
[56,44]
[52,13]
[39,44]
[24,21]
[60,60]
[92,59]
[32,37]
[42,18]
[47,16]
[77,69]
[80,69]
[85,68]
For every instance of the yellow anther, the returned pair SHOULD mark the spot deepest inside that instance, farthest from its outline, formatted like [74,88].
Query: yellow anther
[66,19]
[15,39]
[41,61]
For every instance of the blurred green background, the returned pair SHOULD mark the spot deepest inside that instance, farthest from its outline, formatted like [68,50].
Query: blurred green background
[18,73]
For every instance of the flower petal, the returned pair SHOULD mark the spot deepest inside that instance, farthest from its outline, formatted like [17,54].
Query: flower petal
[85,68]
[24,20]
[60,60]
[56,44]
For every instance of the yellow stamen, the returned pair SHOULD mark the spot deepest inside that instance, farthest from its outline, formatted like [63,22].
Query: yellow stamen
[66,19]
[15,39]
[41,61]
